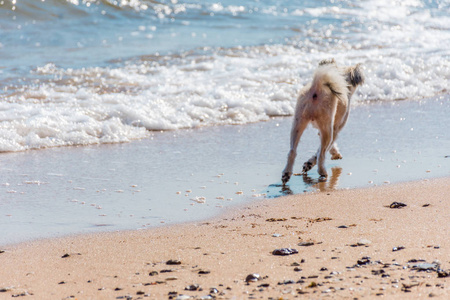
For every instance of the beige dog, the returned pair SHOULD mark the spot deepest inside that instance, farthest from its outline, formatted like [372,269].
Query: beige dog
[325,102]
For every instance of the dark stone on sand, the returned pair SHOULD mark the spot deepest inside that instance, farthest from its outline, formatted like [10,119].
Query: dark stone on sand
[284,251]
[415,260]
[378,272]
[62,282]
[343,226]
[173,262]
[118,289]
[398,248]
[306,244]
[426,205]
[65,255]
[297,269]
[264,285]
[140,293]
[397,205]
[323,269]
[213,291]
[363,261]
[288,281]
[192,287]
[166,271]
[252,277]
[276,220]
[204,272]
[2,251]
[443,273]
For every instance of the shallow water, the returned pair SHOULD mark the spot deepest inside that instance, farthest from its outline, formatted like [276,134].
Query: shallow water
[191,175]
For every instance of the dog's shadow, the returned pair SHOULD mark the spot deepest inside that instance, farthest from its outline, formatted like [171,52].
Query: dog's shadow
[310,184]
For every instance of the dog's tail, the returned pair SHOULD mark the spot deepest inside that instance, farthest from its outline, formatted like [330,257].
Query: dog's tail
[327,75]
[355,76]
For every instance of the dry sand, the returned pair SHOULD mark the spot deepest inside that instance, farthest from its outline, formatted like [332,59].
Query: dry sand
[217,255]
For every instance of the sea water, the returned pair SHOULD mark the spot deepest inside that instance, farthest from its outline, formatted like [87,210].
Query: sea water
[170,77]
[81,72]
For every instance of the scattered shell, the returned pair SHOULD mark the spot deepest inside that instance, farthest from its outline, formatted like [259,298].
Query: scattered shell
[239,192]
[363,242]
[426,266]
[199,199]
[276,235]
[306,244]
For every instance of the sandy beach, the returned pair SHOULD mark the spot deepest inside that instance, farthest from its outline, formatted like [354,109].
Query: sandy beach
[350,243]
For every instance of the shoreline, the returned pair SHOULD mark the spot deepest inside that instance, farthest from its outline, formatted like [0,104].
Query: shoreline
[352,233]
[166,179]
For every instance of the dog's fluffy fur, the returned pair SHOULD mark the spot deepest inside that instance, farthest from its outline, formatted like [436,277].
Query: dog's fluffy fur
[325,102]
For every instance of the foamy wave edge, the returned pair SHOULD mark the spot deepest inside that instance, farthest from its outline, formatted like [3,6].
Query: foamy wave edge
[211,87]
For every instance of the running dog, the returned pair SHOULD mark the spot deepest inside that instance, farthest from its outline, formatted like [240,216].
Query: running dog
[325,102]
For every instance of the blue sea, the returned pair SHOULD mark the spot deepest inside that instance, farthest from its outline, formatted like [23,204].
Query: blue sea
[147,112]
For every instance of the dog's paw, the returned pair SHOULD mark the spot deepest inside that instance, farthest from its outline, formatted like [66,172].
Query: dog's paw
[336,156]
[307,166]
[322,178]
[285,178]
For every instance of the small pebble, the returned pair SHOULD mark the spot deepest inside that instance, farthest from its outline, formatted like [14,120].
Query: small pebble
[284,251]
[192,287]
[252,277]
[398,248]
[397,205]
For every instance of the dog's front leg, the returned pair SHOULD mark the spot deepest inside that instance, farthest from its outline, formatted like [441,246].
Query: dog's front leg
[298,127]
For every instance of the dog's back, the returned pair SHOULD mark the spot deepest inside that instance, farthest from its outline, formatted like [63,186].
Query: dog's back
[324,95]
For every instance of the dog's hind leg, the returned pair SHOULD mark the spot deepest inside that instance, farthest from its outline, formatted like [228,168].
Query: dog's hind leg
[334,151]
[326,134]
[297,130]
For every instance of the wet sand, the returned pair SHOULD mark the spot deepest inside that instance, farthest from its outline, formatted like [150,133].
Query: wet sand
[349,240]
